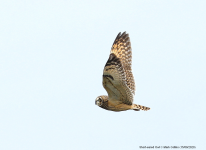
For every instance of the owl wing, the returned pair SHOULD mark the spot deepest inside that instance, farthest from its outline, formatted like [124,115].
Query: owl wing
[117,76]
[122,49]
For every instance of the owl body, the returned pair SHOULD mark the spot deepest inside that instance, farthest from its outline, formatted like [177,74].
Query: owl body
[113,105]
[118,79]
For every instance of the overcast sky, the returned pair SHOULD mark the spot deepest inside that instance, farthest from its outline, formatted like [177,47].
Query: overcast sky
[52,55]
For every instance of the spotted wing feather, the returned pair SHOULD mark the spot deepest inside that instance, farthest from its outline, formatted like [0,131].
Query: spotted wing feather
[122,49]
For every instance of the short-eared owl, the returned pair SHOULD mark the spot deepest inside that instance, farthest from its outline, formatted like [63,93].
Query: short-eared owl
[118,79]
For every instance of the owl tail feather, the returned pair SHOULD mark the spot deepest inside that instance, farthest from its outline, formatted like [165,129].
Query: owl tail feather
[138,107]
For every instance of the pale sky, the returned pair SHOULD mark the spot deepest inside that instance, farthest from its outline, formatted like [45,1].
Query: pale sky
[52,55]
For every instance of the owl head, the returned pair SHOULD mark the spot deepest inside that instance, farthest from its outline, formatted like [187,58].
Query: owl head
[99,101]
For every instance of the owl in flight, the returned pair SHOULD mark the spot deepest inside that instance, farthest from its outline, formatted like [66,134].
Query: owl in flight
[118,79]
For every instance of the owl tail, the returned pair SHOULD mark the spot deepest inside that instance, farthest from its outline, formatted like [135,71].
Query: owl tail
[138,107]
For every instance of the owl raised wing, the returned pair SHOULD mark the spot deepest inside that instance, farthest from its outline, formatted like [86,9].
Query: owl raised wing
[117,75]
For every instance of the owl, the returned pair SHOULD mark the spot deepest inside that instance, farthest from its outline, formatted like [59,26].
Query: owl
[118,79]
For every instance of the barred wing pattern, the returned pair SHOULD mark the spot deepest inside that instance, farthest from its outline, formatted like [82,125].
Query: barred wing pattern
[122,49]
[117,76]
